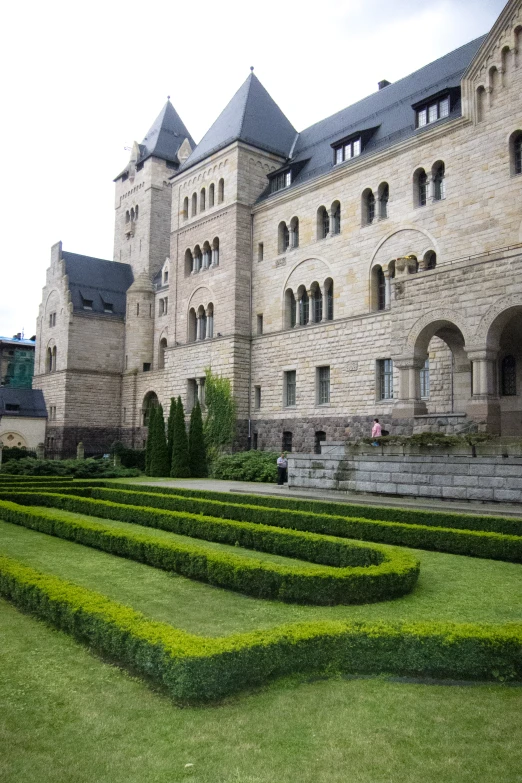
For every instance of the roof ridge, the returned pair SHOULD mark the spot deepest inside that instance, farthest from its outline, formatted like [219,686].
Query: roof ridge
[250,77]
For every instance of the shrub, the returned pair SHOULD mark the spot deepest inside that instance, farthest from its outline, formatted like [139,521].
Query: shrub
[78,468]
[16,452]
[246,466]
[359,574]
[196,669]
[220,422]
[196,444]
[170,427]
[180,456]
[159,457]
[129,458]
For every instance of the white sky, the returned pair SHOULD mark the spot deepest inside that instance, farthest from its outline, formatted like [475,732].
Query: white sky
[82,81]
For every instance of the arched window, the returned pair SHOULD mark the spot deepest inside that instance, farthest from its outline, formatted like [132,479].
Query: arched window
[481,102]
[336,218]
[127,216]
[318,438]
[304,307]
[504,59]
[49,360]
[132,214]
[384,195]
[221,191]
[192,325]
[207,256]
[368,207]
[323,223]
[378,289]
[202,323]
[215,251]
[202,200]
[194,204]
[439,183]
[53,363]
[515,152]
[185,208]
[294,225]
[136,213]
[508,377]
[161,353]
[425,380]
[189,262]
[420,188]
[329,287]
[150,401]
[198,260]
[210,320]
[317,303]
[283,237]
[429,260]
[290,309]
[211,192]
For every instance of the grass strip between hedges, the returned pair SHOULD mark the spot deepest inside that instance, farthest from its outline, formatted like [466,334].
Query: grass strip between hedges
[458,541]
[394,576]
[482,522]
[197,669]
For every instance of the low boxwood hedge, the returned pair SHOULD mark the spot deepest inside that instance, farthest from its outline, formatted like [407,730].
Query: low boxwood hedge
[473,543]
[395,574]
[197,669]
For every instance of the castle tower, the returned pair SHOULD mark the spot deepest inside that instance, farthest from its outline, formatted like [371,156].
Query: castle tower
[143,194]
[139,324]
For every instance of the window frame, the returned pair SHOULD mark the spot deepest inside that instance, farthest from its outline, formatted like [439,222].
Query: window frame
[385,379]
[289,388]
[432,111]
[347,150]
[323,385]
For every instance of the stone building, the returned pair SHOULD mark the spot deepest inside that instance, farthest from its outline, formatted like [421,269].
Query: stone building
[369,265]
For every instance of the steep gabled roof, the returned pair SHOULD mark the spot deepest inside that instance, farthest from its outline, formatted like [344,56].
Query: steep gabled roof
[388,113]
[165,136]
[251,116]
[30,403]
[99,281]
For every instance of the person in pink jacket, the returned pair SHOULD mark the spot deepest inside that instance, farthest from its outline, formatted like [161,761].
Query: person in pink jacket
[376,431]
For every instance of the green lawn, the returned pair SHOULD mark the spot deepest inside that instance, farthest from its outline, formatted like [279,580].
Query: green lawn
[68,717]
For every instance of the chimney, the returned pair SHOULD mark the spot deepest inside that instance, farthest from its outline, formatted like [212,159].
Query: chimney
[383,84]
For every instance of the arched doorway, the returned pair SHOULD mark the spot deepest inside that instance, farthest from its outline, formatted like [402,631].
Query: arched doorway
[149,401]
[504,348]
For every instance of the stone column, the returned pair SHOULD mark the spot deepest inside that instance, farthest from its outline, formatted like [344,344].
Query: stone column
[331,215]
[387,288]
[210,323]
[310,308]
[215,257]
[484,403]
[291,238]
[200,382]
[194,267]
[198,326]
[409,403]
[325,304]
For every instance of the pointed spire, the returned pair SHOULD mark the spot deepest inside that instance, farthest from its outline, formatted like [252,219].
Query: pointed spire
[251,116]
[165,136]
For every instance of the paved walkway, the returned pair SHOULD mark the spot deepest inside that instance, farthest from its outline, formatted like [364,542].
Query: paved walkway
[431,504]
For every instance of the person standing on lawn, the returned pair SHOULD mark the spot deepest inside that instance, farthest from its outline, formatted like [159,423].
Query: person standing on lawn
[282,467]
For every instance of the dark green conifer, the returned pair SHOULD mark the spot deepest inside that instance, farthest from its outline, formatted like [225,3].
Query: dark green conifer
[180,457]
[148,447]
[170,427]
[159,459]
[196,443]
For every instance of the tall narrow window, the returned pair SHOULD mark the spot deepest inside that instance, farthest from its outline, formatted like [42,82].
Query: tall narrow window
[439,185]
[336,218]
[289,388]
[323,385]
[211,196]
[384,195]
[425,380]
[319,437]
[294,225]
[202,200]
[185,208]
[257,397]
[162,353]
[283,237]
[323,223]
[194,204]
[370,207]
[317,303]
[381,288]
[290,309]
[515,144]
[385,379]
[422,188]
[260,251]
[508,377]
[286,443]
[260,323]
[304,309]
[330,301]
[221,191]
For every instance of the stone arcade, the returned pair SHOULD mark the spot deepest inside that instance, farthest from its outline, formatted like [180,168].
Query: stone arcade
[370,265]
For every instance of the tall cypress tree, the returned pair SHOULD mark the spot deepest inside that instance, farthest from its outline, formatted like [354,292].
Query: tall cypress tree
[196,444]
[170,427]
[159,459]
[180,457]
[150,438]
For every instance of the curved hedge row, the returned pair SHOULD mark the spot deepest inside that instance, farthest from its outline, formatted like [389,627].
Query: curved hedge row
[196,669]
[395,574]
[459,541]
[482,522]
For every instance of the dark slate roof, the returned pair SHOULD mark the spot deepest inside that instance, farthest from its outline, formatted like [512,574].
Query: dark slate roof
[31,402]
[387,115]
[251,116]
[165,136]
[103,282]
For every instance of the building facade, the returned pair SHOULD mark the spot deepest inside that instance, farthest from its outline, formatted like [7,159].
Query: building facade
[370,265]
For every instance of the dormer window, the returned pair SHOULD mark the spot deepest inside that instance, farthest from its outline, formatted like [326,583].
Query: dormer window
[280,181]
[348,149]
[87,304]
[108,307]
[433,111]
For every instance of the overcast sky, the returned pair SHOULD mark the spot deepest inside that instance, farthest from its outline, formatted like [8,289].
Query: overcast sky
[82,81]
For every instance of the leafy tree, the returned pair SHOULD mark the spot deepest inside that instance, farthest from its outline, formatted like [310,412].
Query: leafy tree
[180,456]
[159,457]
[196,443]
[148,448]
[170,427]
[220,423]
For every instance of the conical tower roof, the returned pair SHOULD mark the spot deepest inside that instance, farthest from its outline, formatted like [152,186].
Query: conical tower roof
[251,116]
[165,136]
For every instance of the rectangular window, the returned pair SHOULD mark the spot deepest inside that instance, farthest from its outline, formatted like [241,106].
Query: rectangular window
[146,366]
[425,380]
[385,379]
[254,441]
[192,393]
[260,324]
[52,319]
[257,397]
[165,278]
[323,385]
[433,111]
[289,389]
[87,304]
[280,181]
[260,251]
[12,407]
[347,150]
[125,414]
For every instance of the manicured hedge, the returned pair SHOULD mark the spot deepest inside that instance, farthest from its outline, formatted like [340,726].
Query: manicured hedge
[196,669]
[473,543]
[7,478]
[394,576]
[483,522]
